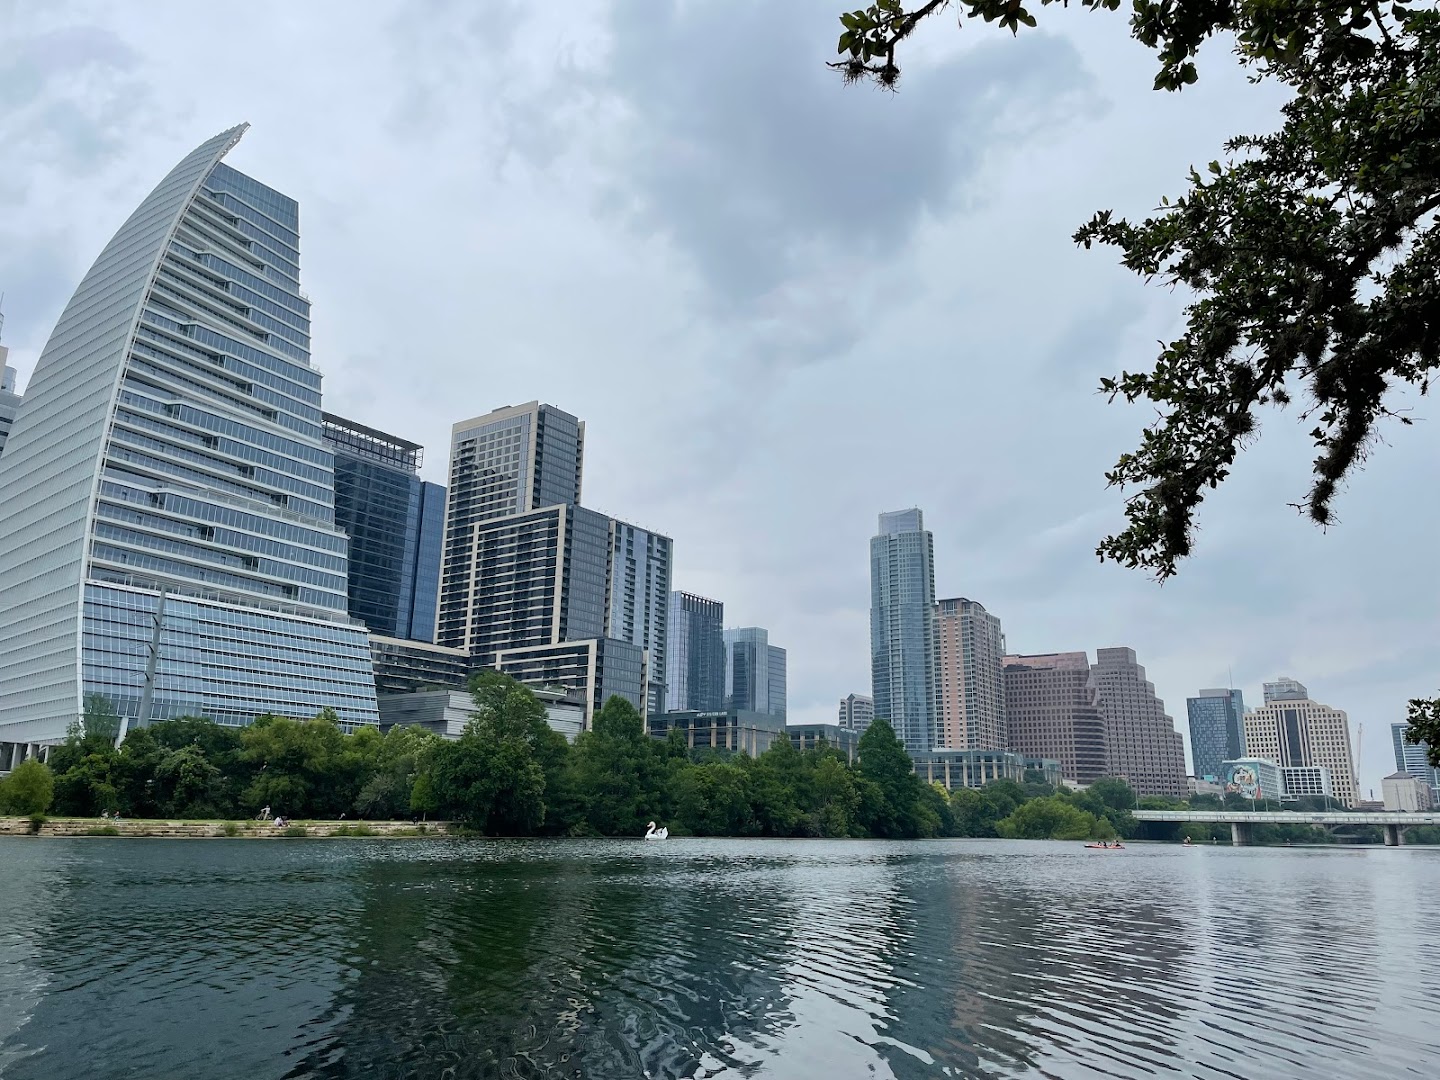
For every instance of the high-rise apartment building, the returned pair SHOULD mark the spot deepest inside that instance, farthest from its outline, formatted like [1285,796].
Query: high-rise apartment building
[1052,711]
[638,608]
[1217,729]
[1142,745]
[167,535]
[396,525]
[535,578]
[537,585]
[971,674]
[695,661]
[508,462]
[754,672]
[1413,758]
[902,628]
[856,712]
[1292,730]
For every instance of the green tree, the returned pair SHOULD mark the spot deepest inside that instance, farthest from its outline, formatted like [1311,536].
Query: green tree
[890,807]
[616,772]
[1050,818]
[1424,717]
[189,785]
[493,777]
[100,723]
[714,800]
[974,812]
[1311,254]
[1114,793]
[28,789]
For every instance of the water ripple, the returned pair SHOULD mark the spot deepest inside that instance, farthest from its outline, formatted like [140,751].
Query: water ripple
[717,959]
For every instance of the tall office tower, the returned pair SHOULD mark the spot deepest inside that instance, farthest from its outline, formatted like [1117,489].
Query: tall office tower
[1052,711]
[776,697]
[856,712]
[902,628]
[167,535]
[754,672]
[971,672]
[1413,758]
[1292,730]
[1142,744]
[1217,729]
[695,662]
[511,461]
[638,607]
[396,524]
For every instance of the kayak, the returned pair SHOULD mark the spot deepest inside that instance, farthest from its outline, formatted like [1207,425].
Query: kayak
[1104,847]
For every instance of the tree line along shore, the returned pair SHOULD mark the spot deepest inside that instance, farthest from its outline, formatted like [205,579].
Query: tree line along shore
[510,774]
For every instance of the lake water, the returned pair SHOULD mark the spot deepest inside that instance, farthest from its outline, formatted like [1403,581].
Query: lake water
[713,958]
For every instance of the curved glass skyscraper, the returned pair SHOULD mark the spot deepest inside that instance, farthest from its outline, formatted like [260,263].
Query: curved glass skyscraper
[167,533]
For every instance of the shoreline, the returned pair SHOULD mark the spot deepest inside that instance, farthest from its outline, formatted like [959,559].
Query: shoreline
[215,829]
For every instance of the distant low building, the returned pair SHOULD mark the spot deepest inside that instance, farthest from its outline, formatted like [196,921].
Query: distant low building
[857,712]
[737,730]
[1204,785]
[1299,781]
[404,667]
[1405,793]
[1253,778]
[446,712]
[975,768]
[809,736]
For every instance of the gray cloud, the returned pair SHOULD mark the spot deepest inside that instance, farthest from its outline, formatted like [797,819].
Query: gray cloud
[781,304]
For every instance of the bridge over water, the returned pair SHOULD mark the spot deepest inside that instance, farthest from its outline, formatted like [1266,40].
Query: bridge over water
[1242,822]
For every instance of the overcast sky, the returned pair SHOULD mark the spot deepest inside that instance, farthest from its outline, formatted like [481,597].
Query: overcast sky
[782,305]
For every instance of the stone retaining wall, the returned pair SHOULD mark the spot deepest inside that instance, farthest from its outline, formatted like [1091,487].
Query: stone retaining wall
[255,830]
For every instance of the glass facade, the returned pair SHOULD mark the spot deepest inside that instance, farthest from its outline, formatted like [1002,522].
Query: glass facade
[385,508]
[1217,730]
[638,609]
[214,661]
[171,442]
[695,661]
[903,655]
[406,667]
[599,669]
[754,672]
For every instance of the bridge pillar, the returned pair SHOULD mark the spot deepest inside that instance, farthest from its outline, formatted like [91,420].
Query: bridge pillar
[1240,835]
[1392,836]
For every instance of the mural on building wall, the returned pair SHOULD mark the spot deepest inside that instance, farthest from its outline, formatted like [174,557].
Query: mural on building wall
[1243,780]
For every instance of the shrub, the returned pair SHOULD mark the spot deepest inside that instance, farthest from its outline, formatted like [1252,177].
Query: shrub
[354,830]
[37,820]
[102,830]
[28,789]
[296,830]
[231,828]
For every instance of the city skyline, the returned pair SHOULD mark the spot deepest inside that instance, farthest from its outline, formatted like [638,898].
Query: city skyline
[537,251]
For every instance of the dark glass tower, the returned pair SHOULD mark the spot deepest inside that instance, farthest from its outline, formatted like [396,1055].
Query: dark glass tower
[1217,729]
[396,525]
[696,661]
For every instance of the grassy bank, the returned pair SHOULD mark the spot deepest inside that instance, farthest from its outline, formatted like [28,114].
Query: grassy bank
[216,830]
